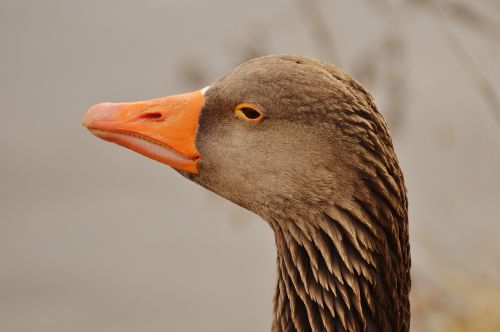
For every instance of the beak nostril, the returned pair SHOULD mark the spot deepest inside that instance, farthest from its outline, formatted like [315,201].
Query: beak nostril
[151,116]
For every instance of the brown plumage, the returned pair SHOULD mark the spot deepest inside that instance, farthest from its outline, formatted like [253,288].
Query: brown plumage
[321,170]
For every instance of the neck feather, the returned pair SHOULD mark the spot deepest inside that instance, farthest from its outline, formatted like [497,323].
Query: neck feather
[342,274]
[346,267]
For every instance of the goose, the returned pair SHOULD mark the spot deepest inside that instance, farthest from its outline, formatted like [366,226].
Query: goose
[300,143]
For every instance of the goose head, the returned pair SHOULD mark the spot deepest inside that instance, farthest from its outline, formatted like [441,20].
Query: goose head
[300,143]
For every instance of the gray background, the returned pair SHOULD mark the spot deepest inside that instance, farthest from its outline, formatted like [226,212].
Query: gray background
[96,238]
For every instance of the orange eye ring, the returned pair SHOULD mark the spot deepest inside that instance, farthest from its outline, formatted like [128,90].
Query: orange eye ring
[249,112]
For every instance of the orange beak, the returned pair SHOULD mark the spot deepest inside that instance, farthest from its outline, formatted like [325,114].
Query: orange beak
[162,129]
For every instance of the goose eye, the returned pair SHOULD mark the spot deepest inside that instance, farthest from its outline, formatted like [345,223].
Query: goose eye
[249,113]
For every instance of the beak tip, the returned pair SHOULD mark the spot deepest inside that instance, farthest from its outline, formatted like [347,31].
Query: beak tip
[102,111]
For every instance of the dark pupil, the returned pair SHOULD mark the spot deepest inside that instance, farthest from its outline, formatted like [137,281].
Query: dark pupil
[250,113]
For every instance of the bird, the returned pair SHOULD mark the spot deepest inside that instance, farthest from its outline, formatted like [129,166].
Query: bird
[301,143]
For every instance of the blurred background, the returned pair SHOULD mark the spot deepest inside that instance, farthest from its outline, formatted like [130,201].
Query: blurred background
[94,237]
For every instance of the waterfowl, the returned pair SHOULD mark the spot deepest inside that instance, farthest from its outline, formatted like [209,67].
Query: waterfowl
[300,143]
